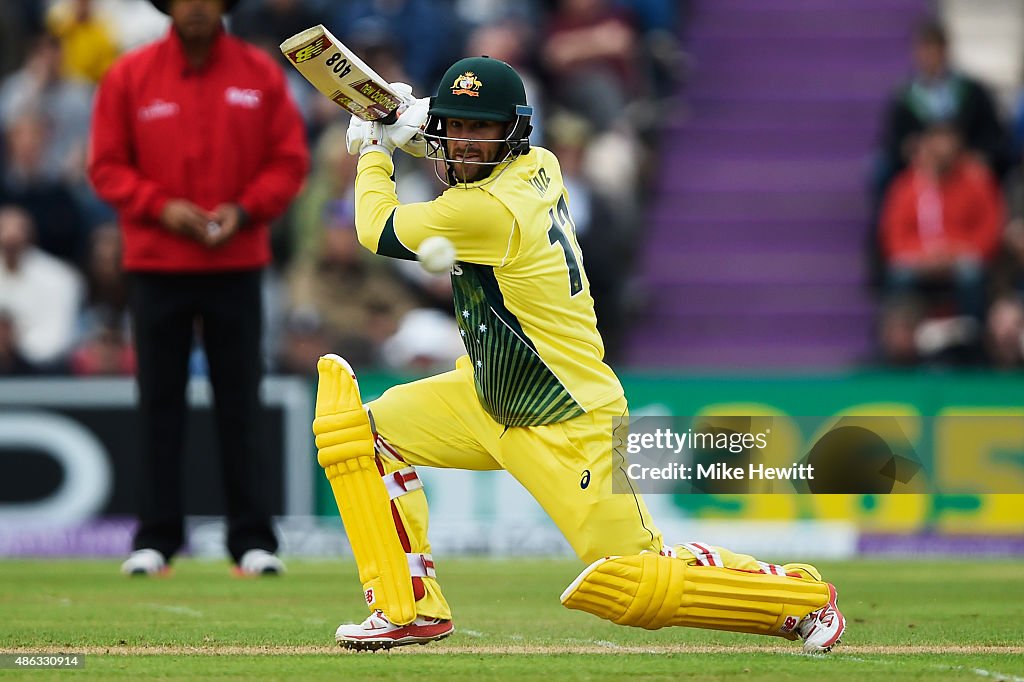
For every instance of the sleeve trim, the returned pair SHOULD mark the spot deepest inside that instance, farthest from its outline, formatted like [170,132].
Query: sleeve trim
[390,245]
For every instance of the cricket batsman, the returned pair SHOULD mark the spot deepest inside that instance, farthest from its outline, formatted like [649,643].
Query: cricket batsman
[532,395]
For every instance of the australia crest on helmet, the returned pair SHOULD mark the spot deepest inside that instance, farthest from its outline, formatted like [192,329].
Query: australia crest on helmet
[467,84]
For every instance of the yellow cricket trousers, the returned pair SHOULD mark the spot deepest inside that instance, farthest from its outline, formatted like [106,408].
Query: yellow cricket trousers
[568,467]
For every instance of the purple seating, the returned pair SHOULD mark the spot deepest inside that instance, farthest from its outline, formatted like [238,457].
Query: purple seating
[754,254]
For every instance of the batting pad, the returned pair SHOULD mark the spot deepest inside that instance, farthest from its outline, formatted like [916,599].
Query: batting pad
[651,591]
[345,450]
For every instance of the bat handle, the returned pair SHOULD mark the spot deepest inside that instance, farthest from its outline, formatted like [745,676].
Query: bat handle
[390,118]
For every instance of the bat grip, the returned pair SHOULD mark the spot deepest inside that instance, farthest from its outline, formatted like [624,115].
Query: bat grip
[390,118]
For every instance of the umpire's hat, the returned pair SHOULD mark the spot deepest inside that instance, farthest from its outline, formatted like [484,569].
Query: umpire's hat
[164,5]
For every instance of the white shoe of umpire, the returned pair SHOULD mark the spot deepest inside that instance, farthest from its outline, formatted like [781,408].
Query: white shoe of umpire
[256,562]
[377,632]
[145,562]
[822,629]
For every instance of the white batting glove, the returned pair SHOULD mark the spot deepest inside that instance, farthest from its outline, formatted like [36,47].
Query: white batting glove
[364,136]
[406,133]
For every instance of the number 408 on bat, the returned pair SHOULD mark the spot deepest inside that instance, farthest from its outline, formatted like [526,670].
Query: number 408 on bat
[338,64]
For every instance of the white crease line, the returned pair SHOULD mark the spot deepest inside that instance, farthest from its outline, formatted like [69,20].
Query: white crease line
[1002,677]
[470,633]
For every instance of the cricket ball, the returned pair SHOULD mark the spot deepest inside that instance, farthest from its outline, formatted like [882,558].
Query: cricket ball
[436,254]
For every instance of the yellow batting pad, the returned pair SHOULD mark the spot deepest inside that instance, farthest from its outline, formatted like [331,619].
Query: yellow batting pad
[651,591]
[344,444]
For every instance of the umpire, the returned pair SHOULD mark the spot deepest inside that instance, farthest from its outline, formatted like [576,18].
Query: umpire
[197,145]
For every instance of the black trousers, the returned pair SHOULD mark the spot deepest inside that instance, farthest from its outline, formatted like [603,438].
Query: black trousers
[226,308]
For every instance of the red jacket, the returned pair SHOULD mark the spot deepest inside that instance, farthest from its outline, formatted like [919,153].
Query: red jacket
[961,215]
[225,133]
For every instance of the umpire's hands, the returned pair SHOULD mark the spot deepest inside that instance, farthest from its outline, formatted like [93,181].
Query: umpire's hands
[224,224]
[211,228]
[183,217]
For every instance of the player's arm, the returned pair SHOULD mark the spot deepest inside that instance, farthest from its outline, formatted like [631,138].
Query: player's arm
[481,227]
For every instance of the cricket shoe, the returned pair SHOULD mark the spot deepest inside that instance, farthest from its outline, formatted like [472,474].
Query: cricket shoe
[822,629]
[257,562]
[145,562]
[377,632]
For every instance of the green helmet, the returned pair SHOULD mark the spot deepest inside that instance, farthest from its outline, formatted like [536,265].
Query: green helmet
[480,89]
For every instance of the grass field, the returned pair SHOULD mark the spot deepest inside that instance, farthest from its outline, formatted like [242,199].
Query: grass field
[907,620]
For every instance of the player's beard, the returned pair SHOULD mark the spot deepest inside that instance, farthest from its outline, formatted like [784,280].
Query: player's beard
[479,166]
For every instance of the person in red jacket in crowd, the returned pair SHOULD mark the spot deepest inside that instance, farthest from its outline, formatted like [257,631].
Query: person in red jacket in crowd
[198,146]
[941,222]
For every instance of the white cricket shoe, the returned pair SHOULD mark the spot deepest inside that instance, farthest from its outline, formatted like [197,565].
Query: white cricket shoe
[257,562]
[377,632]
[822,629]
[145,562]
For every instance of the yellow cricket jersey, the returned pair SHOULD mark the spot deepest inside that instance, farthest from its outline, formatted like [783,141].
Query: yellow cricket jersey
[522,299]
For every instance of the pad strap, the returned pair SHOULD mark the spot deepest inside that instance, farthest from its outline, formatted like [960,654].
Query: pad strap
[401,482]
[773,569]
[706,555]
[421,565]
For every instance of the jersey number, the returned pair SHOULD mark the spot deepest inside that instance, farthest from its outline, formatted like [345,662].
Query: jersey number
[556,233]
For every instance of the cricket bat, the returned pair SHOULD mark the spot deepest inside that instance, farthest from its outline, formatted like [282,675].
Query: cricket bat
[344,78]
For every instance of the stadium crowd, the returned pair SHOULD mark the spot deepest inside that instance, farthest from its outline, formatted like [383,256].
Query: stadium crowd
[948,232]
[593,68]
[947,193]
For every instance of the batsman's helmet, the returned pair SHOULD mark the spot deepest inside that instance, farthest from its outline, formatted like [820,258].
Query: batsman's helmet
[482,89]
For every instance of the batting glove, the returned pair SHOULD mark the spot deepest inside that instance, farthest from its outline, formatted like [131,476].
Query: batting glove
[362,137]
[406,133]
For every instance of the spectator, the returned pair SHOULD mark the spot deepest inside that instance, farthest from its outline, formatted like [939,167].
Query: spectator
[198,146]
[427,30]
[59,223]
[40,293]
[590,52]
[39,90]
[87,39]
[941,223]
[936,92]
